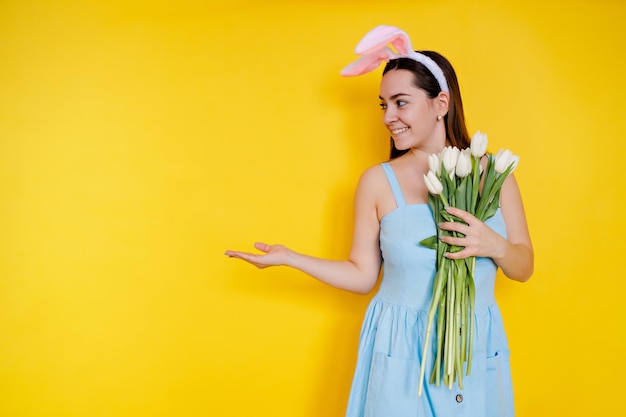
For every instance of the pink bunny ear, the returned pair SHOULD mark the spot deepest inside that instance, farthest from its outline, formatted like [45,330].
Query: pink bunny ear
[368,62]
[383,35]
[374,49]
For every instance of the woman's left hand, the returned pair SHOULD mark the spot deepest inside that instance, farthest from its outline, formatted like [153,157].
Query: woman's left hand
[478,239]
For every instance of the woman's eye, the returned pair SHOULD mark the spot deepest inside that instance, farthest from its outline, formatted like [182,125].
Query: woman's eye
[401,103]
[383,106]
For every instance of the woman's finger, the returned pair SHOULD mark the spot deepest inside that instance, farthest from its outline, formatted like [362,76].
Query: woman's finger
[263,247]
[462,214]
[454,241]
[465,253]
[454,227]
[251,258]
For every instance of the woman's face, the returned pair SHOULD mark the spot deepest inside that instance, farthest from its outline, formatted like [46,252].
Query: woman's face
[409,114]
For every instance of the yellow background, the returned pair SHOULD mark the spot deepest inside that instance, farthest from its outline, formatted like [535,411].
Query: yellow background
[139,140]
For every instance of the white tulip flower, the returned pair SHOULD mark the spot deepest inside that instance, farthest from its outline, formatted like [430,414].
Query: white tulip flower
[434,163]
[433,184]
[478,144]
[464,164]
[515,159]
[449,156]
[504,158]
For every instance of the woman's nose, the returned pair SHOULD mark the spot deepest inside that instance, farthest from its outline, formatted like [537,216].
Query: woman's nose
[390,116]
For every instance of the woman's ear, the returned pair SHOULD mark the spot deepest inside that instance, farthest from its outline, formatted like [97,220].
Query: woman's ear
[442,101]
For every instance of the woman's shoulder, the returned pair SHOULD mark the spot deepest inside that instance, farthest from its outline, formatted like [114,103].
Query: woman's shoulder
[373,175]
[371,188]
[372,180]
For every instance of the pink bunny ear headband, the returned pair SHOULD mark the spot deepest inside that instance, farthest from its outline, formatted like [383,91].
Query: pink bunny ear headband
[374,49]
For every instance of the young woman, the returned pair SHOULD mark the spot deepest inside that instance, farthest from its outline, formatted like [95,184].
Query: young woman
[422,109]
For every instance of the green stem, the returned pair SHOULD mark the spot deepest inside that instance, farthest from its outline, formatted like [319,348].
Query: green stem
[459,287]
[438,285]
[449,358]
[464,312]
[475,184]
[435,375]
[472,299]
[444,200]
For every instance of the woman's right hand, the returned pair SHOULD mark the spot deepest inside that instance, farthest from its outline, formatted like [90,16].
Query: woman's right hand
[273,255]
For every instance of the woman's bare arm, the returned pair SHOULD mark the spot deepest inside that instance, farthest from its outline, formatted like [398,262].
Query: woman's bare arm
[360,271]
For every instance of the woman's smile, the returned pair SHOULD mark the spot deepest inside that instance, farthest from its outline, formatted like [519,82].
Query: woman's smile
[399,130]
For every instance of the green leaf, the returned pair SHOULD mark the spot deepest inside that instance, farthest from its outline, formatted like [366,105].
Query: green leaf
[450,218]
[461,194]
[447,216]
[500,180]
[468,194]
[493,206]
[490,173]
[455,248]
[491,210]
[469,261]
[435,205]
[475,184]
[445,180]
[430,242]
[491,196]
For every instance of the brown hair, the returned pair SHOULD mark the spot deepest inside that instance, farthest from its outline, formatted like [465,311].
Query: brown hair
[456,131]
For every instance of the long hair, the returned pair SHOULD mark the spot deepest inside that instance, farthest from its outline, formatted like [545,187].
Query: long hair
[456,131]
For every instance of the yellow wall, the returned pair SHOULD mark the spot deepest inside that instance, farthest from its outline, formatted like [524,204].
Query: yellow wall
[139,140]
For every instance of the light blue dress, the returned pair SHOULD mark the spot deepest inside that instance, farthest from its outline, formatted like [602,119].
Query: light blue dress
[392,337]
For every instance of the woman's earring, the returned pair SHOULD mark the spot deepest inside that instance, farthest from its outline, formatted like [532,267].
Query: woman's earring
[438,118]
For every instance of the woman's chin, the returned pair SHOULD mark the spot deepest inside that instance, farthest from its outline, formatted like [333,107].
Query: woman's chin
[401,146]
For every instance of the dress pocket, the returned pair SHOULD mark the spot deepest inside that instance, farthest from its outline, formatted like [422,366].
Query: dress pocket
[392,388]
[500,399]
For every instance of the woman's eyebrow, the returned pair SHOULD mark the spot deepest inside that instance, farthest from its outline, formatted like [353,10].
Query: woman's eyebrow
[395,96]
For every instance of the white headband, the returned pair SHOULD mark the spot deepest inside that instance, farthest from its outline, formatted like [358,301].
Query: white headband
[374,49]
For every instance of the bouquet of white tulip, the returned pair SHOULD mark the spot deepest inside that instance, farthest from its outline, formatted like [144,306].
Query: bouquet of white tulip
[454,180]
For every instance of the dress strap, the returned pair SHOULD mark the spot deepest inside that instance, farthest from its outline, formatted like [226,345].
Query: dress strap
[395,185]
